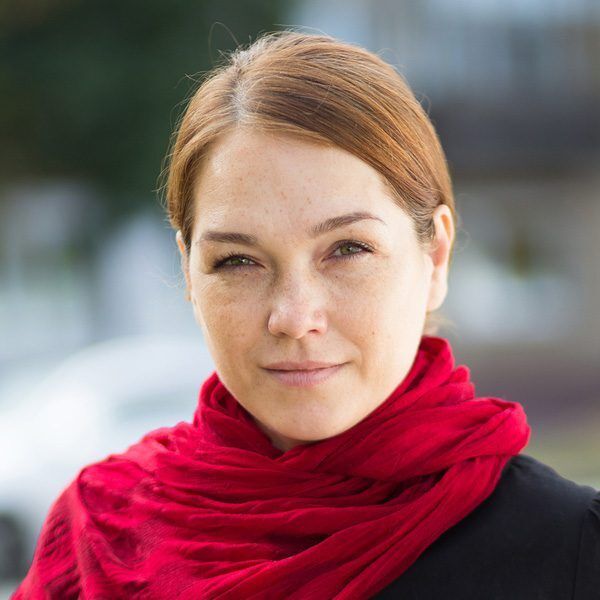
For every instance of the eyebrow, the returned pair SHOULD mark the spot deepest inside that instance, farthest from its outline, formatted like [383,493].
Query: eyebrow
[315,231]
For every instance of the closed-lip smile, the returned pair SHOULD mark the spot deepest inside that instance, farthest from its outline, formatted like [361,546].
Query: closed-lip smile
[307,365]
[303,374]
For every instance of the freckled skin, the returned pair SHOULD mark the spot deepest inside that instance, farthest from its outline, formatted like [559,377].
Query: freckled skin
[294,300]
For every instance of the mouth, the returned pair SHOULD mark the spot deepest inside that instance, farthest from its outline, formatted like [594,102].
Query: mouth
[305,377]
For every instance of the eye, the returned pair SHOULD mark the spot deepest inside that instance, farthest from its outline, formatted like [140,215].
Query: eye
[352,244]
[221,263]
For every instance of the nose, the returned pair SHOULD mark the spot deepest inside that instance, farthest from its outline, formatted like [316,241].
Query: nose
[297,307]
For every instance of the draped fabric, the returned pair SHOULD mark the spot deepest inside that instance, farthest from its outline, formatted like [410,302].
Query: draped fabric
[212,509]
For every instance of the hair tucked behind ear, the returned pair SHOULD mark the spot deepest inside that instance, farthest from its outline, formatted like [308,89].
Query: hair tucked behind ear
[331,92]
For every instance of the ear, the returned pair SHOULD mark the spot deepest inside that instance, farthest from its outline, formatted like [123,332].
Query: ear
[440,256]
[184,263]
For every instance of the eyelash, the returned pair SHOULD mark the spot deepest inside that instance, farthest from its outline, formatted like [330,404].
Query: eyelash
[218,264]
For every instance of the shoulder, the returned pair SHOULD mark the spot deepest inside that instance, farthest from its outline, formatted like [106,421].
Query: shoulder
[530,476]
[557,518]
[539,497]
[535,517]
[536,536]
[533,511]
[546,527]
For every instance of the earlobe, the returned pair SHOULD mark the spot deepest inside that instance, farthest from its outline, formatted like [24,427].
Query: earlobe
[182,252]
[184,263]
[440,256]
[180,243]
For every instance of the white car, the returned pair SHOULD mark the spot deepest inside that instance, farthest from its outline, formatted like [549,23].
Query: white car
[97,402]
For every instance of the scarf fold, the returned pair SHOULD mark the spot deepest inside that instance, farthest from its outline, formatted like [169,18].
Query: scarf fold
[211,509]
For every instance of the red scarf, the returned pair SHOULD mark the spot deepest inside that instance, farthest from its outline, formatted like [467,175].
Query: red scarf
[211,509]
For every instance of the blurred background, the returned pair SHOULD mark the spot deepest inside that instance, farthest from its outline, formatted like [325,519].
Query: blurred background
[97,343]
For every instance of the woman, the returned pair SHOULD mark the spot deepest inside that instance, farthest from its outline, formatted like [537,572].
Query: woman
[336,451]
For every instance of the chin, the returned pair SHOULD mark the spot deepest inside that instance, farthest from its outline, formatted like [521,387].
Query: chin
[305,435]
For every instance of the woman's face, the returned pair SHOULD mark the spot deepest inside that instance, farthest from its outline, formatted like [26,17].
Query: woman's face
[328,270]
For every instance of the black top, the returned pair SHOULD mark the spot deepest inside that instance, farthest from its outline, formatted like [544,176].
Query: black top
[536,537]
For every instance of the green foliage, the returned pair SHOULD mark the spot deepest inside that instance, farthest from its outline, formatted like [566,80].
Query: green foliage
[93,89]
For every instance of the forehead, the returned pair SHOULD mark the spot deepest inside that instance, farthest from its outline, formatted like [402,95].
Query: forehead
[251,176]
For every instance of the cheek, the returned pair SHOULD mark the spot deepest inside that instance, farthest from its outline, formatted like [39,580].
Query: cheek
[384,302]
[228,313]
[365,303]
[383,320]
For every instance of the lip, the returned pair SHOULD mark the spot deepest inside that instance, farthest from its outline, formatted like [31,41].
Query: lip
[304,377]
[306,365]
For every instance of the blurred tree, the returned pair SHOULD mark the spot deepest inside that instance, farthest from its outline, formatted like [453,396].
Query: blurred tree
[92,89]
